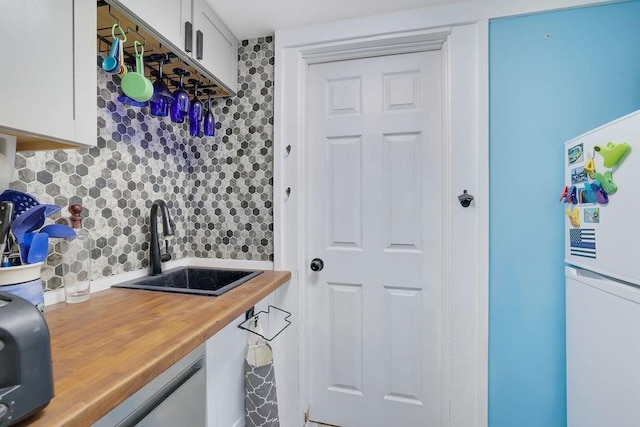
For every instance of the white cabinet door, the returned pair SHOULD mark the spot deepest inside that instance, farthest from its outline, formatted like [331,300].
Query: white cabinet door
[225,373]
[216,48]
[225,376]
[48,77]
[166,17]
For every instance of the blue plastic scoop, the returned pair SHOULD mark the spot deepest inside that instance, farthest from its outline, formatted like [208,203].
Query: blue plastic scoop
[39,248]
[58,231]
[28,221]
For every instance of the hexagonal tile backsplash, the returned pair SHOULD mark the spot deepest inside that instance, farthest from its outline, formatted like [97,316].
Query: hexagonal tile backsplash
[219,189]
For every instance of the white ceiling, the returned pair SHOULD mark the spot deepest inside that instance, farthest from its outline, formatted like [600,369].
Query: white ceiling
[256,18]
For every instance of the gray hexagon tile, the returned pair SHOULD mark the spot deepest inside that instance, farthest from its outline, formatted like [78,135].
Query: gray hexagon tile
[233,178]
[219,190]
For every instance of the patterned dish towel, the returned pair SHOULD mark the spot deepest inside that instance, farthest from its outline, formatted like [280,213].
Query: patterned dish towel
[261,402]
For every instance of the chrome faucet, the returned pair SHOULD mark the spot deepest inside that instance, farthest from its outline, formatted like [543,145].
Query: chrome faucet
[155,259]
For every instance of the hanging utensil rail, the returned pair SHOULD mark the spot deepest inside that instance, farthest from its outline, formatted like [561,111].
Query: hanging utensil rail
[107,16]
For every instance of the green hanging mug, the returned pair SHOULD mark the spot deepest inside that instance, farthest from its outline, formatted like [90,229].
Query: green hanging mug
[134,84]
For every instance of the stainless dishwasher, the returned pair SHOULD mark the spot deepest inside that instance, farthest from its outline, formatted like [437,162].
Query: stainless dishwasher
[175,397]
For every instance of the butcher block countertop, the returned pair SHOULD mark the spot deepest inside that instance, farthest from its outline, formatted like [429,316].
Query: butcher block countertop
[108,347]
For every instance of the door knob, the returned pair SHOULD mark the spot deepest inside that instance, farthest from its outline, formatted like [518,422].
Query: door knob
[317,264]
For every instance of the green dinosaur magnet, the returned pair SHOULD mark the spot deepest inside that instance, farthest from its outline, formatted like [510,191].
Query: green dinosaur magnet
[612,153]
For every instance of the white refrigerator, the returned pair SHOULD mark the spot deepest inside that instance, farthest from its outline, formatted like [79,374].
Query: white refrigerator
[601,203]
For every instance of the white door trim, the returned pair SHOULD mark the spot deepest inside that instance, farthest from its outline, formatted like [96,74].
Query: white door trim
[467,147]
[376,46]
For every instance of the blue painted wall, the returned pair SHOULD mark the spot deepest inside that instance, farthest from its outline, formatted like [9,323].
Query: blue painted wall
[553,76]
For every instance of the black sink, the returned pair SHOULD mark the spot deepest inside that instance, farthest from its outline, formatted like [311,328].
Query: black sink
[195,281]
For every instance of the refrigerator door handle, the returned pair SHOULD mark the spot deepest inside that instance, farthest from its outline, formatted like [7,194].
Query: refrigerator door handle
[577,272]
[612,286]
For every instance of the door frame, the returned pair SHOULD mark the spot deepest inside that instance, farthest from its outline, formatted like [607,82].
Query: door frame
[466,167]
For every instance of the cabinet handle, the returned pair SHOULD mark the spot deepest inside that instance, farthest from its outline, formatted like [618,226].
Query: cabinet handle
[199,42]
[188,36]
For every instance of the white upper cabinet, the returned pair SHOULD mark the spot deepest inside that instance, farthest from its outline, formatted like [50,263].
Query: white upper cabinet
[216,48]
[166,18]
[193,31]
[48,76]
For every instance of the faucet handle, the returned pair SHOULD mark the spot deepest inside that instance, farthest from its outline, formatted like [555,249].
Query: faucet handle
[166,256]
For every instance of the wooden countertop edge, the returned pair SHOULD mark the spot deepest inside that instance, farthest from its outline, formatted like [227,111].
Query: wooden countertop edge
[94,407]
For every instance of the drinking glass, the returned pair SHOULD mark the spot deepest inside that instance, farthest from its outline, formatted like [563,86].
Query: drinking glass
[209,125]
[161,99]
[180,104]
[195,111]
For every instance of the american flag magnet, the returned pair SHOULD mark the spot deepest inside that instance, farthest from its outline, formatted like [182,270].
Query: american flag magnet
[583,242]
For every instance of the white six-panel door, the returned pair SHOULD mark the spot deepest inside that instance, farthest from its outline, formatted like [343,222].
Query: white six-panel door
[374,207]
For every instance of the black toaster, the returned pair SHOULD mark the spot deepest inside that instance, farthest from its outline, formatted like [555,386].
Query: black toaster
[26,377]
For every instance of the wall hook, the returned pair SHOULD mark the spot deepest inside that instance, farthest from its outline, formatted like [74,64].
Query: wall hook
[465,199]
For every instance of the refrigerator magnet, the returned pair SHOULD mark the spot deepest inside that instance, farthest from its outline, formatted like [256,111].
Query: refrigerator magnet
[579,175]
[606,181]
[612,153]
[591,215]
[565,193]
[575,154]
[601,195]
[572,195]
[586,195]
[590,167]
[582,242]
[573,215]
